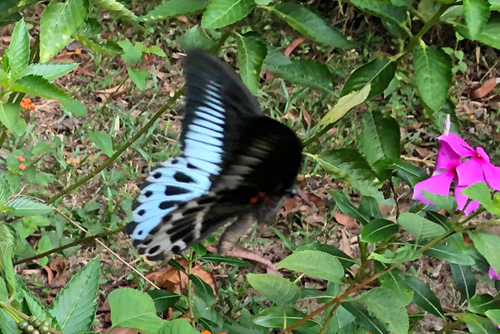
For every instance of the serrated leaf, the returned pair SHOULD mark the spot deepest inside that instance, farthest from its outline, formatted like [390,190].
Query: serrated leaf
[163,299]
[311,25]
[420,227]
[386,306]
[9,115]
[58,24]
[174,8]
[378,230]
[306,72]
[394,280]
[221,13]
[134,309]
[346,103]
[465,280]
[103,141]
[345,260]
[195,38]
[39,86]
[138,77]
[24,206]
[432,75]
[7,323]
[486,244]
[109,47]
[351,167]
[4,191]
[115,7]
[369,323]
[177,326]
[314,263]
[203,290]
[380,138]
[34,305]
[252,51]
[6,268]
[383,9]
[50,71]
[378,73]
[277,317]
[75,305]
[477,13]
[277,289]
[18,53]
[424,297]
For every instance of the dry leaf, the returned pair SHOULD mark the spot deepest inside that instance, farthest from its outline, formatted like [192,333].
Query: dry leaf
[296,42]
[250,255]
[345,220]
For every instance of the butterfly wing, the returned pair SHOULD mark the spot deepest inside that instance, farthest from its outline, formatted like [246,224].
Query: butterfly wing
[217,107]
[257,175]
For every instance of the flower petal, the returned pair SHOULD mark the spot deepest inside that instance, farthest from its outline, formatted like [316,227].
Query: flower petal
[437,184]
[447,158]
[458,145]
[491,175]
[493,275]
[462,201]
[470,172]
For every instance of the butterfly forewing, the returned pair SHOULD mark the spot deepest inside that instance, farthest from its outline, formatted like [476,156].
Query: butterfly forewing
[233,159]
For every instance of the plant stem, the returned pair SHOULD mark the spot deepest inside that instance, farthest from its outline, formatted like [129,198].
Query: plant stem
[17,316]
[3,135]
[71,244]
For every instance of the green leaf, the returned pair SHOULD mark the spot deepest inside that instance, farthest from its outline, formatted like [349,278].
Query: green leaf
[311,25]
[489,35]
[139,77]
[115,7]
[486,244]
[350,167]
[203,290]
[252,51]
[7,323]
[177,326]
[108,47]
[275,288]
[103,141]
[383,9]
[221,13]
[17,54]
[406,171]
[9,115]
[134,309]
[59,22]
[494,4]
[163,299]
[494,315]
[24,206]
[344,259]
[44,245]
[306,72]
[481,193]
[74,107]
[346,103]
[466,282]
[420,227]
[378,230]
[369,206]
[276,317]
[6,268]
[34,305]
[450,254]
[369,323]
[449,203]
[477,324]
[131,53]
[477,13]
[380,138]
[346,206]
[50,71]
[387,306]
[174,8]
[75,305]
[217,258]
[5,193]
[196,38]
[424,297]
[402,254]
[39,86]
[432,75]
[394,280]
[314,263]
[378,73]
[482,303]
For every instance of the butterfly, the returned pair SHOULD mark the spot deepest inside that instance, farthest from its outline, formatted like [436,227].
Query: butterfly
[236,165]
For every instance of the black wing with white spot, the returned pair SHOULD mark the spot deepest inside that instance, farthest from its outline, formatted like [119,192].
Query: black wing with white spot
[217,106]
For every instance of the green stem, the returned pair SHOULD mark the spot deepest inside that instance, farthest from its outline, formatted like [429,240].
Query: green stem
[3,136]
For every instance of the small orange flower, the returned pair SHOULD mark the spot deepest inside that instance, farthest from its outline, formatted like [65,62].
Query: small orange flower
[22,167]
[147,58]
[208,332]
[21,158]
[27,104]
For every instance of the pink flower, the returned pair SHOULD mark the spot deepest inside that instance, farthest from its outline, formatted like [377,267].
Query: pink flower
[458,161]
[493,275]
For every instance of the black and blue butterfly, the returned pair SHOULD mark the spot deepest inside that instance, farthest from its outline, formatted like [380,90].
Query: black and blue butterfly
[236,166]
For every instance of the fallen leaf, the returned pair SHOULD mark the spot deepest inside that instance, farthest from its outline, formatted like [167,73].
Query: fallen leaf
[345,220]
[485,89]
[250,255]
[60,266]
[296,42]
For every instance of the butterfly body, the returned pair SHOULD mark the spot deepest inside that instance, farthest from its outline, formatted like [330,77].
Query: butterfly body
[236,165]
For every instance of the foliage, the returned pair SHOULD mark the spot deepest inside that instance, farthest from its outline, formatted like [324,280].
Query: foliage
[32,226]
